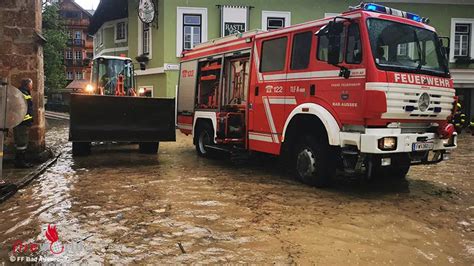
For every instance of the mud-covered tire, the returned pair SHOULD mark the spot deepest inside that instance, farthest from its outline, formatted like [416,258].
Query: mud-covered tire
[149,147]
[204,137]
[81,148]
[399,172]
[313,161]
[400,167]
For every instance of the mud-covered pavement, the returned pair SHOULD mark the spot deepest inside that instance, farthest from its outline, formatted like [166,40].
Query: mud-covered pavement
[118,206]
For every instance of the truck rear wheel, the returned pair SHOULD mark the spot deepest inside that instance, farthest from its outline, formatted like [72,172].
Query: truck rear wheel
[313,163]
[149,147]
[81,148]
[203,138]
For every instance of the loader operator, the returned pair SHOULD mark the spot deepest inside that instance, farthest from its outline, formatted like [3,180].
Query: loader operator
[108,82]
[21,131]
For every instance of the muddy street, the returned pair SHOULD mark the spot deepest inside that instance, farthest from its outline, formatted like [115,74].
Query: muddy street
[119,206]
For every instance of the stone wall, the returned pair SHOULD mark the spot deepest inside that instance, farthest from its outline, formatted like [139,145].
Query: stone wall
[21,56]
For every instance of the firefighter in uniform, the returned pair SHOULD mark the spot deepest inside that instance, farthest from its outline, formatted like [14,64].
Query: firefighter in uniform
[459,119]
[21,131]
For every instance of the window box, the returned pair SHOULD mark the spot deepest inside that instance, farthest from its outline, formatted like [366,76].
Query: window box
[463,60]
[142,59]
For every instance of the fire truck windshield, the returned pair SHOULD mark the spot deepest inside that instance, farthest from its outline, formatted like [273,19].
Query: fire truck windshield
[401,47]
[106,74]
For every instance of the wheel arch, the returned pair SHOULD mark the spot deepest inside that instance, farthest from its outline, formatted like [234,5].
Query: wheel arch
[313,111]
[204,117]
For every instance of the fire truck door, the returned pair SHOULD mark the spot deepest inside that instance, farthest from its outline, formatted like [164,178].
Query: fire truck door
[267,97]
[346,93]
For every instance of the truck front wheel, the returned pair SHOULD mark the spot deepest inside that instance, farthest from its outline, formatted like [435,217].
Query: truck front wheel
[400,166]
[400,172]
[81,148]
[314,163]
[149,147]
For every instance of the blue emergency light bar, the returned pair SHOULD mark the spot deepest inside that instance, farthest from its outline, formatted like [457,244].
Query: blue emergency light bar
[392,11]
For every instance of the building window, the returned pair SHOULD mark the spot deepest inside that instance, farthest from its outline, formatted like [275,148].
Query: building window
[402,49]
[275,23]
[121,31]
[146,39]
[79,75]
[71,14]
[273,55]
[272,20]
[462,39]
[191,31]
[78,55]
[195,21]
[69,75]
[78,35]
[68,54]
[69,34]
[301,50]
[99,38]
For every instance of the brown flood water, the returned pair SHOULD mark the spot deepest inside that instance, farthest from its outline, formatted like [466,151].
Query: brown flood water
[122,207]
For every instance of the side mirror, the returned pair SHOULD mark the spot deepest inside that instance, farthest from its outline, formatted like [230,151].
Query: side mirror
[333,31]
[444,43]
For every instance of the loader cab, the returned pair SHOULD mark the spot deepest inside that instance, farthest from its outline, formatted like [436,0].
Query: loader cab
[112,75]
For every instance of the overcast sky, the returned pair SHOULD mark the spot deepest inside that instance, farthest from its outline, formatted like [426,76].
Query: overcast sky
[88,4]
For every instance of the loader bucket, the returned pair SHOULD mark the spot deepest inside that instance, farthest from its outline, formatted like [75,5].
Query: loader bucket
[121,119]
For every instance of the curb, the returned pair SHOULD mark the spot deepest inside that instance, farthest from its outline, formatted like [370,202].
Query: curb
[11,189]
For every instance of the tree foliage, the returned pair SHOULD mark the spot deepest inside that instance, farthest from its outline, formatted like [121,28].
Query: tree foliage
[55,34]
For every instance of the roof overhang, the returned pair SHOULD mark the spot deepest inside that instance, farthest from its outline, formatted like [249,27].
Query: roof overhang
[106,11]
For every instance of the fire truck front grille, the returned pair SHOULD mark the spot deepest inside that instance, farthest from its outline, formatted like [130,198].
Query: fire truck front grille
[403,101]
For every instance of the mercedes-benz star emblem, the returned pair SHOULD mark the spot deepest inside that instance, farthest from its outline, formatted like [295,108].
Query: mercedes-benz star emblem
[424,102]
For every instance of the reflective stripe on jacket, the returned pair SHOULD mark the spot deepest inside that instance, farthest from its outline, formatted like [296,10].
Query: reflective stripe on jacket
[28,119]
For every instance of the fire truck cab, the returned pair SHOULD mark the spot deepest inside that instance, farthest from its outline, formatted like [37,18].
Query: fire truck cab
[368,92]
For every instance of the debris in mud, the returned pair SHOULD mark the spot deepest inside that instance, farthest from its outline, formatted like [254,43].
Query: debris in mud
[160,210]
[181,247]
[119,217]
[442,208]
[443,192]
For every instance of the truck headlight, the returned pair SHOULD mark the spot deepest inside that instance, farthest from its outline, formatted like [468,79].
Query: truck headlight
[388,143]
[89,88]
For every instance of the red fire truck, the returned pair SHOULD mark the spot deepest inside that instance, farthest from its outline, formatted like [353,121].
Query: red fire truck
[368,92]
